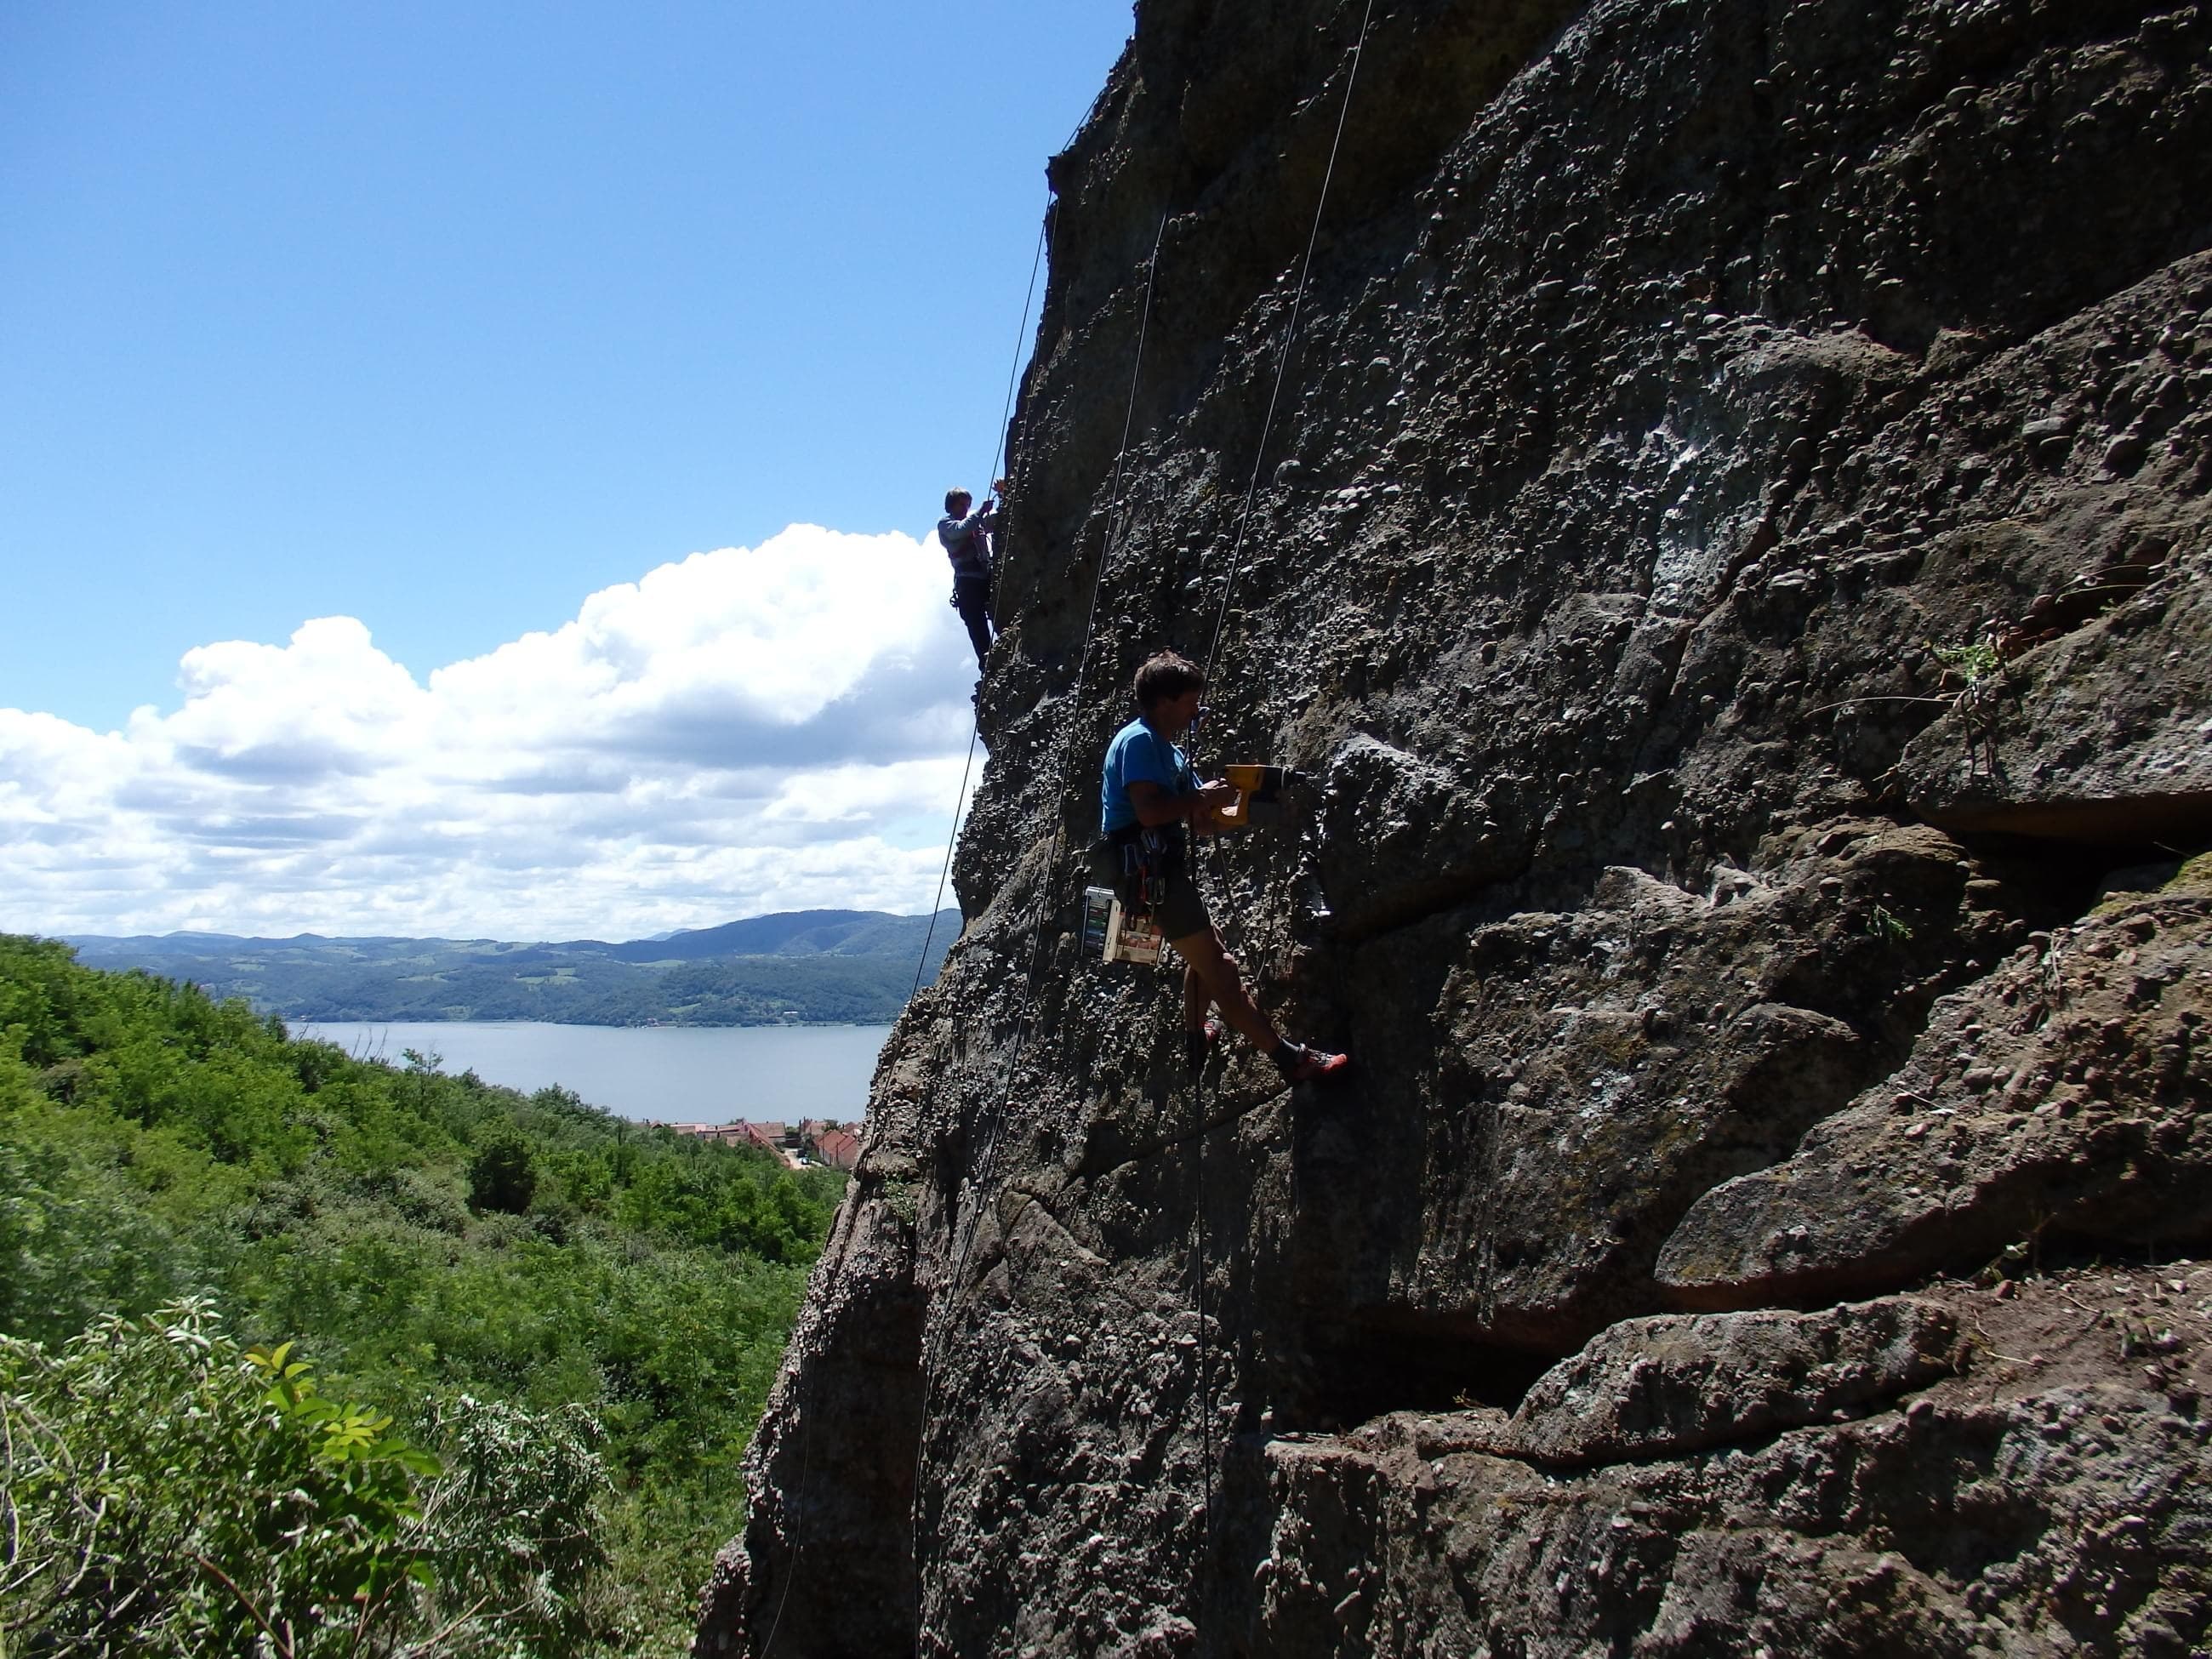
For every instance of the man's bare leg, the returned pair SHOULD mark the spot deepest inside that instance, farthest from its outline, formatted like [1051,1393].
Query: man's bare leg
[1213,971]
[1198,996]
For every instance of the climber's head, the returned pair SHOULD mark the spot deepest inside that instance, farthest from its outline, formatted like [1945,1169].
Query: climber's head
[956,502]
[1168,687]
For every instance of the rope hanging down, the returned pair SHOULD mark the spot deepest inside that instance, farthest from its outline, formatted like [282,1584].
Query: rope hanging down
[1055,796]
[999,444]
[1060,785]
[986,1164]
[1282,370]
[1203,1356]
[1054,799]
[1000,447]
[937,904]
[1290,338]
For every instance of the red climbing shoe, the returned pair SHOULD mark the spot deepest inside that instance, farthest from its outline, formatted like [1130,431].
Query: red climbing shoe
[1198,1042]
[1300,1063]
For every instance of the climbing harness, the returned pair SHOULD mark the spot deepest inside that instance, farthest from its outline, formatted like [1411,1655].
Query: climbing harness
[1121,921]
[1143,864]
[1116,929]
[1151,863]
[1146,864]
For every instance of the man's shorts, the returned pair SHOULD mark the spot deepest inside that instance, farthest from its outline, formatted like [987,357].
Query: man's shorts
[1180,915]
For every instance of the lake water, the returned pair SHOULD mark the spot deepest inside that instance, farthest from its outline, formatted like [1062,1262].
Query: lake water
[676,1073]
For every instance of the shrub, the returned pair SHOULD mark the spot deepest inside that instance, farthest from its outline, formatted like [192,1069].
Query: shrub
[169,1492]
[503,1175]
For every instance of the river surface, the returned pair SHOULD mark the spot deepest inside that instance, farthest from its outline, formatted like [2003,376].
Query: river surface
[674,1073]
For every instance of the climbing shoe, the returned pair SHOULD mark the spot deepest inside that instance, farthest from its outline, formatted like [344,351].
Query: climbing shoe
[1198,1042]
[1300,1063]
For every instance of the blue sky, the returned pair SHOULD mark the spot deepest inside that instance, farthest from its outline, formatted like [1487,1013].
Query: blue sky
[445,320]
[442,316]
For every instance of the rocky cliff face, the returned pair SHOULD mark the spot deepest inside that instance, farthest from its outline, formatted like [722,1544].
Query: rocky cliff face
[1732,553]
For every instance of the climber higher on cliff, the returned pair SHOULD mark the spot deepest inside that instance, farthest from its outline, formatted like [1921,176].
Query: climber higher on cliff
[1148,800]
[966,539]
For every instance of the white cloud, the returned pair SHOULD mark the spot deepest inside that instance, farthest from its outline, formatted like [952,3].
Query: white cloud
[747,731]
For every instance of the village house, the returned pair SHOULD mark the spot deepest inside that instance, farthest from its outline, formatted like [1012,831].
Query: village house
[817,1140]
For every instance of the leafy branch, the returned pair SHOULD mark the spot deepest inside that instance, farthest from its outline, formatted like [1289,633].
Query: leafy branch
[169,1492]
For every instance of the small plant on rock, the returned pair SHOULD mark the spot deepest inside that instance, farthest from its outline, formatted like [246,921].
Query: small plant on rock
[1976,673]
[1885,925]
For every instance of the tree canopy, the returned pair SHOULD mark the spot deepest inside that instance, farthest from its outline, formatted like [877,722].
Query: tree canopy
[427,1239]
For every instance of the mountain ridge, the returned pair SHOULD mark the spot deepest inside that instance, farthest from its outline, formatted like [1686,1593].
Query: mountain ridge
[789,967]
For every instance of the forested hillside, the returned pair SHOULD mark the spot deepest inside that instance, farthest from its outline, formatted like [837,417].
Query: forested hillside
[491,1270]
[798,967]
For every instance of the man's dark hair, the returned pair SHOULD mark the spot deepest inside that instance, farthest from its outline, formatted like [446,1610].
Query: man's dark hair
[1165,678]
[956,499]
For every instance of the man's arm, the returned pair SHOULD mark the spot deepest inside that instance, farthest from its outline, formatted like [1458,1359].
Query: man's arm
[986,530]
[1155,806]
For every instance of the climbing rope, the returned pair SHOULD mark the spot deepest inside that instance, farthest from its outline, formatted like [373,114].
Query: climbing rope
[1290,339]
[1204,1356]
[1274,397]
[937,904]
[1075,705]
[1001,446]
[1000,443]
[986,1164]
[1055,797]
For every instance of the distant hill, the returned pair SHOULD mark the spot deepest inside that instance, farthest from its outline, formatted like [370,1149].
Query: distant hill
[792,933]
[794,968]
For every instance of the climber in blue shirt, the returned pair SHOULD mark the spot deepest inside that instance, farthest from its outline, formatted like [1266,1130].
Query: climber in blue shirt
[1148,800]
[966,539]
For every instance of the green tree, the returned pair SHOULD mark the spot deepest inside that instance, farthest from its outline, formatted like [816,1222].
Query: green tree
[154,1143]
[503,1175]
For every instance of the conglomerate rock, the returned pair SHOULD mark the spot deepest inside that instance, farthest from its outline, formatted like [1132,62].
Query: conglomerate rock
[2019,1512]
[2103,735]
[1653,1387]
[2065,1092]
[1730,556]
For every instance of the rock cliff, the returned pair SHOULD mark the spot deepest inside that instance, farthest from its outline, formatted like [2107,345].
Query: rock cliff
[1731,554]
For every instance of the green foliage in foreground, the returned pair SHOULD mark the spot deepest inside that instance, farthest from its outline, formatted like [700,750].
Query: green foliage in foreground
[166,1492]
[441,1248]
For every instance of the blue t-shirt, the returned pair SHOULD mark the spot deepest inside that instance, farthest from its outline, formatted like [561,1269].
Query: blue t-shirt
[1139,755]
